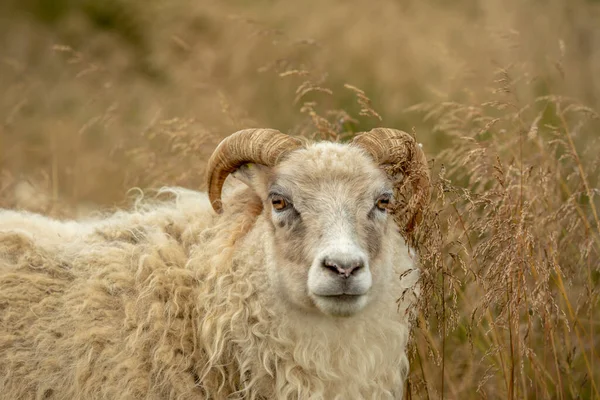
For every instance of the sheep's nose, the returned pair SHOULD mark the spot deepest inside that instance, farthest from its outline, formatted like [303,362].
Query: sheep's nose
[343,268]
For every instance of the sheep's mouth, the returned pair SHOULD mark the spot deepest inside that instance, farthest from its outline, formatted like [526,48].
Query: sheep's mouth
[343,297]
[341,305]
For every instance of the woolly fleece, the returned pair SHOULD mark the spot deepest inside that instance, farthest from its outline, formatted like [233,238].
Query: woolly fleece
[170,301]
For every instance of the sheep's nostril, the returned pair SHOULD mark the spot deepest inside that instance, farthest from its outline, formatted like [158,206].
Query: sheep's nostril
[356,267]
[344,269]
[332,266]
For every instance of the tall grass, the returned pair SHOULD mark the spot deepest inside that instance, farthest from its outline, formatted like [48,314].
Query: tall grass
[513,251]
[503,94]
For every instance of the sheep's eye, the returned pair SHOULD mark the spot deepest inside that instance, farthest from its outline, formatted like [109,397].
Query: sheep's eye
[279,203]
[383,203]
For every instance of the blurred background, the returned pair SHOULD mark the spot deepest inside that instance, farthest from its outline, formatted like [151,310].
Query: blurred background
[101,96]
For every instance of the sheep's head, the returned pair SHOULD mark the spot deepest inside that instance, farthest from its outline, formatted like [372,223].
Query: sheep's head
[327,206]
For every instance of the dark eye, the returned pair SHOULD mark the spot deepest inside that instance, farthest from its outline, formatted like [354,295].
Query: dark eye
[279,203]
[383,203]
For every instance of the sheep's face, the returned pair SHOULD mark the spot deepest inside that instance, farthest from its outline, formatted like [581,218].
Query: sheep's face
[327,209]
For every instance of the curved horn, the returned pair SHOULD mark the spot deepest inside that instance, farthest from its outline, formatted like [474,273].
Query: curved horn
[257,146]
[401,152]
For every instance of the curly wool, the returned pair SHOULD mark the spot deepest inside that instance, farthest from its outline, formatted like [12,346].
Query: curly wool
[171,302]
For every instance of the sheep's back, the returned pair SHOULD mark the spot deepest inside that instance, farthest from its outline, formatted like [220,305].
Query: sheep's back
[109,313]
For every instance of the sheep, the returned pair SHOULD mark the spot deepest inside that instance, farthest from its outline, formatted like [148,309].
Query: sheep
[279,283]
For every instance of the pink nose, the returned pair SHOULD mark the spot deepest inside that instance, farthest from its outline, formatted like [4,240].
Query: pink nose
[344,269]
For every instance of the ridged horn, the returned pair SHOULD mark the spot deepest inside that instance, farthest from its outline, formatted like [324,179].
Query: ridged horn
[257,146]
[400,151]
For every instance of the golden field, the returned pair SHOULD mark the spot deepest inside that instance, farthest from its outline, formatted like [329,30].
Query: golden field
[99,97]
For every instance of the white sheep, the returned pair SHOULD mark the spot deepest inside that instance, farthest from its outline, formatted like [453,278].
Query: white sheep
[289,290]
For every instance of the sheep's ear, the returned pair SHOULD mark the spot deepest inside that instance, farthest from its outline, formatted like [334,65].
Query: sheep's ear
[253,175]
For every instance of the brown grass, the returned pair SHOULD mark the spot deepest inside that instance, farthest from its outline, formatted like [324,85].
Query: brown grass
[504,96]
